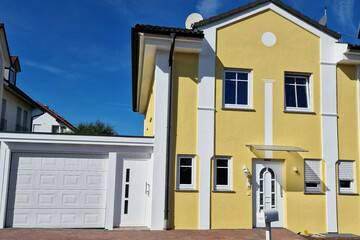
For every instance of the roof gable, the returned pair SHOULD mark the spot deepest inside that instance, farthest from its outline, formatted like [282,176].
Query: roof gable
[277,3]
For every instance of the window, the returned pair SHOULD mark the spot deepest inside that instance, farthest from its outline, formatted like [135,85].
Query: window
[237,89]
[222,174]
[312,175]
[297,92]
[186,172]
[25,121]
[12,76]
[18,119]
[55,129]
[3,117]
[346,176]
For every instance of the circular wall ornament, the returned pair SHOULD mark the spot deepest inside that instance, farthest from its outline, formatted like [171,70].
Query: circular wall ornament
[268,39]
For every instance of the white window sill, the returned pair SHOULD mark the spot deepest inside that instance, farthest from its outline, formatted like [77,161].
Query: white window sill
[223,191]
[186,190]
[348,193]
[314,193]
[238,108]
[299,111]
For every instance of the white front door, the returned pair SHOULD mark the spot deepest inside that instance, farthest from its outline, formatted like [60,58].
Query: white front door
[134,193]
[267,190]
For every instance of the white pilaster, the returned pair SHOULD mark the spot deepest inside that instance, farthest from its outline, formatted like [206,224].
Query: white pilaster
[110,192]
[4,180]
[205,125]
[161,81]
[329,139]
[268,115]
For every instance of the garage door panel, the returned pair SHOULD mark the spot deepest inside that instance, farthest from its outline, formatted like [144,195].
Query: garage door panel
[57,190]
[39,179]
[59,199]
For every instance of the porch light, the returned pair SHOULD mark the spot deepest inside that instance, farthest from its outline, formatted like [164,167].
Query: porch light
[246,172]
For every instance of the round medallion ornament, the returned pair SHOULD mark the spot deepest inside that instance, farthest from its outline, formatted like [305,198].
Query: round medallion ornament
[268,39]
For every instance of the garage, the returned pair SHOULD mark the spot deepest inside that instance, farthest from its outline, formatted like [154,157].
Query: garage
[57,190]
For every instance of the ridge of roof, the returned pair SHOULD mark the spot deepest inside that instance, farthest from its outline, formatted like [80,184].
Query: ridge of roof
[278,3]
[167,30]
[55,115]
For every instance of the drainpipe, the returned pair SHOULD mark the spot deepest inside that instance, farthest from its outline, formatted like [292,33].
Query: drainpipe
[168,147]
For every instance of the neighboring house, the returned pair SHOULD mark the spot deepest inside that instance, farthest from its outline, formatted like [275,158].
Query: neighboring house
[252,109]
[16,107]
[264,114]
[49,121]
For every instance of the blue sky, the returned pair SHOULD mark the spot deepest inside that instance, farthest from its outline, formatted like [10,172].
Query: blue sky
[75,55]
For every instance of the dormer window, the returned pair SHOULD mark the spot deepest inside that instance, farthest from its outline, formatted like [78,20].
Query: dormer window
[12,76]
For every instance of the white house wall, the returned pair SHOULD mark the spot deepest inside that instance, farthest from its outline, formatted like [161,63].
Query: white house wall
[45,123]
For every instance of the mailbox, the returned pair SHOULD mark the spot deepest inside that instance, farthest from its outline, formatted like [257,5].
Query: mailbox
[271,215]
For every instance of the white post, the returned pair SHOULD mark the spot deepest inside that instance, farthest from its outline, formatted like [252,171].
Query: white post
[268,231]
[4,180]
[110,194]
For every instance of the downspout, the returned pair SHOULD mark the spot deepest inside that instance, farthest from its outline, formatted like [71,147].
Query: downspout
[168,147]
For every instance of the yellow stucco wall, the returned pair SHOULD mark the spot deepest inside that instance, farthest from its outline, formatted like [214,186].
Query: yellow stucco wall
[184,208]
[348,205]
[239,45]
[149,114]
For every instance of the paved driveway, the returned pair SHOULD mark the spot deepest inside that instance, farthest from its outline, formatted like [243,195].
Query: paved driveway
[64,234]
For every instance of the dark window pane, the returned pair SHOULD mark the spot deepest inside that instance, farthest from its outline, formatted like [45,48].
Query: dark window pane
[261,199]
[273,199]
[242,76]
[127,190]
[230,92]
[301,80]
[222,176]
[272,186]
[301,96]
[311,184]
[345,183]
[126,207]
[230,75]
[185,161]
[272,173]
[127,175]
[289,80]
[222,163]
[242,93]
[185,175]
[261,185]
[290,96]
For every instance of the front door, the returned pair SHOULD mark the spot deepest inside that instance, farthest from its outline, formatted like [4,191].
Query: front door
[134,193]
[267,190]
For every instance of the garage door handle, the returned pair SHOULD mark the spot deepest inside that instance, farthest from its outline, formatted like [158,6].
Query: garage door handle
[147,189]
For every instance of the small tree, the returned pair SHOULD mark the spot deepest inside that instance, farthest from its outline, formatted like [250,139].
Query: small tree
[95,128]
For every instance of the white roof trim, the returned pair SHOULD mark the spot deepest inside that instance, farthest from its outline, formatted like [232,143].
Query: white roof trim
[276,148]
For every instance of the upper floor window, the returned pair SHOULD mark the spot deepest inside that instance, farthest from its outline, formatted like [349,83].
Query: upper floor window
[237,88]
[25,121]
[186,172]
[346,176]
[58,129]
[297,92]
[312,176]
[18,119]
[12,76]
[223,173]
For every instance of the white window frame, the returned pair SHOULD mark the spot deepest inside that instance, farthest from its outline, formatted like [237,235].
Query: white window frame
[249,100]
[351,189]
[193,172]
[227,187]
[316,189]
[308,90]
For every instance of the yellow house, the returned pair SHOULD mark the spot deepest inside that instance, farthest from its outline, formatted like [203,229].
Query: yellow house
[256,108]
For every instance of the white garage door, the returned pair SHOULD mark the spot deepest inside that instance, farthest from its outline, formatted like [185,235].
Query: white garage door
[57,191]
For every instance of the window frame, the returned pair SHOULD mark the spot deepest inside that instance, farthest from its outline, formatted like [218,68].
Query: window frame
[249,81]
[309,90]
[227,187]
[312,189]
[193,172]
[351,189]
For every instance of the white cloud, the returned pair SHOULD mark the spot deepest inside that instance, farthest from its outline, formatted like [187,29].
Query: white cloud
[208,8]
[344,11]
[44,67]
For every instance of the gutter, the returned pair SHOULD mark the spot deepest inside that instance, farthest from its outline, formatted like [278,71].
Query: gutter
[168,147]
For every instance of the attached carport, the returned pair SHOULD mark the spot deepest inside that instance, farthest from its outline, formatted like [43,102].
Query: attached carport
[72,181]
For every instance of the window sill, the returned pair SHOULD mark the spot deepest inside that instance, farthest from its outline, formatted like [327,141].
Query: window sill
[223,191]
[186,190]
[353,194]
[302,112]
[314,193]
[238,109]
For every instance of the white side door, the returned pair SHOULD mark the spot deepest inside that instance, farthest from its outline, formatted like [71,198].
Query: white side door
[134,193]
[267,191]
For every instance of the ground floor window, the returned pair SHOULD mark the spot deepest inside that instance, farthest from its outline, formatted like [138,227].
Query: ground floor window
[312,175]
[222,173]
[346,176]
[186,172]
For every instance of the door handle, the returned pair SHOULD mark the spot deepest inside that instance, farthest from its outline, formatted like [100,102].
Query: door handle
[281,191]
[147,189]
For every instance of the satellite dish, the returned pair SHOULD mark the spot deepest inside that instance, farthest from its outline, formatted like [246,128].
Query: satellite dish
[191,19]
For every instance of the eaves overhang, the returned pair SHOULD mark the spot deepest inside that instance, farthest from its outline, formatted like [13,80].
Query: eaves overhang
[146,41]
[349,54]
